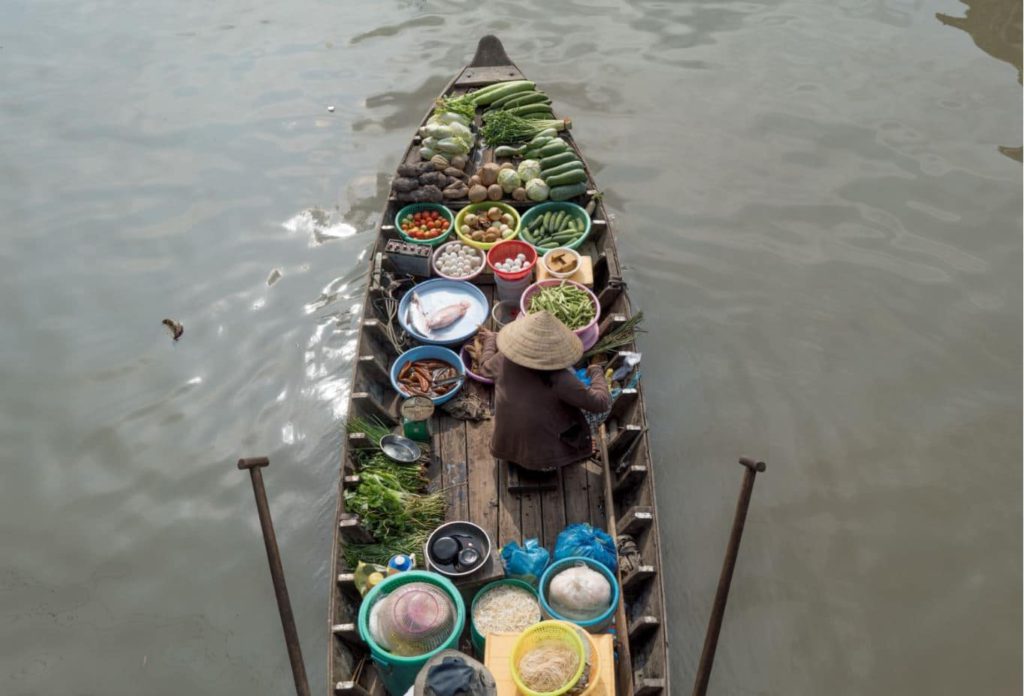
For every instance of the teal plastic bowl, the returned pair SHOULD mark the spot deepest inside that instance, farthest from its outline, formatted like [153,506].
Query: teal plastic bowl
[419,207]
[596,624]
[554,206]
[397,672]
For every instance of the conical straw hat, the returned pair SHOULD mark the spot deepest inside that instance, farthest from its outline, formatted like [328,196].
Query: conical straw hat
[539,341]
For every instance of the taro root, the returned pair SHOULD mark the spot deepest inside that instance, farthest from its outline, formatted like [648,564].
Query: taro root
[435,178]
[488,173]
[478,193]
[456,191]
[406,196]
[403,183]
[428,194]
[408,170]
[424,167]
[494,192]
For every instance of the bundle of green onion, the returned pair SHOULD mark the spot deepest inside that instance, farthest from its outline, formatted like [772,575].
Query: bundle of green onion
[504,128]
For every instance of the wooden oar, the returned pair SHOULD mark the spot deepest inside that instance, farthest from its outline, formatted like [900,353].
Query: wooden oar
[284,606]
[707,656]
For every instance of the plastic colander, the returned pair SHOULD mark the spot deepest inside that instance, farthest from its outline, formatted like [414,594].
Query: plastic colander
[413,619]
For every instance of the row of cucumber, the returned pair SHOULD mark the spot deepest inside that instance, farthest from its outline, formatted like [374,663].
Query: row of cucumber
[560,168]
[554,228]
[529,103]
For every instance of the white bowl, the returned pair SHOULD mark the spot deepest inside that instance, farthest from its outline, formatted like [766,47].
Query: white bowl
[561,274]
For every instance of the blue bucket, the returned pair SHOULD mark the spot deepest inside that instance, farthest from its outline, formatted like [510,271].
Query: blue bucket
[599,623]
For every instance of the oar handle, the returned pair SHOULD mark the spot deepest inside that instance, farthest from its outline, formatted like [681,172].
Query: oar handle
[284,605]
[707,656]
[754,466]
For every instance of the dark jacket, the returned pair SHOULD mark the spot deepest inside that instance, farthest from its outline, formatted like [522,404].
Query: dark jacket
[538,423]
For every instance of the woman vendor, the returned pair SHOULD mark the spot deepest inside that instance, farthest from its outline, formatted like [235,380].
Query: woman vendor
[538,421]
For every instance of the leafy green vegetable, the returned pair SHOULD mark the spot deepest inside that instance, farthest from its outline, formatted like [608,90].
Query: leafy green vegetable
[619,337]
[504,128]
[390,500]
[459,105]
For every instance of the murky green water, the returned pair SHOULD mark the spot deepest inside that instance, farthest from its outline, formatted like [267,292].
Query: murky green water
[820,210]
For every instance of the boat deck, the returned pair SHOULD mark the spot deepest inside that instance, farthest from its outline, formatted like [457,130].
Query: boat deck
[613,491]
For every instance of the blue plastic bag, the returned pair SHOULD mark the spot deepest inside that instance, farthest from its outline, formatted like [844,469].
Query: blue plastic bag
[526,563]
[584,540]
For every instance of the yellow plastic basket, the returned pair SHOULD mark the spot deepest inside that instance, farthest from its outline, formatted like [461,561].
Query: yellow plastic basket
[543,632]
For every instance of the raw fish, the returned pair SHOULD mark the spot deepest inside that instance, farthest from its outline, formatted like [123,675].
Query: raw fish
[416,316]
[447,316]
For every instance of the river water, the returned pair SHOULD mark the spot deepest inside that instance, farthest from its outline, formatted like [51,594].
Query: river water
[819,205]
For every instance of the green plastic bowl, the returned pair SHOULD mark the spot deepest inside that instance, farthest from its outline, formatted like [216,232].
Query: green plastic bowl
[480,641]
[554,206]
[419,207]
[398,672]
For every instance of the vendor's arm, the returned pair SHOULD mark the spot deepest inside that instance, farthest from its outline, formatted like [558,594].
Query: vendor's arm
[489,356]
[572,391]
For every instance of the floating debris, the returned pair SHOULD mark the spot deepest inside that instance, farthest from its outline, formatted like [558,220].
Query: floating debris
[175,327]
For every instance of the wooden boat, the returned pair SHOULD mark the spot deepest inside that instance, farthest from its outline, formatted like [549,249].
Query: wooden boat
[614,492]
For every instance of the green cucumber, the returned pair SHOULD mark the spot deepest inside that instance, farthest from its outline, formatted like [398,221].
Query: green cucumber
[564,193]
[539,116]
[525,234]
[523,111]
[502,101]
[548,245]
[539,141]
[575,176]
[575,165]
[554,160]
[555,146]
[491,93]
[522,99]
[507,151]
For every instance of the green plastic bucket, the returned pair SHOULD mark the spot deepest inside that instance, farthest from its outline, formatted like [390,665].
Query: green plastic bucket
[398,673]
[480,641]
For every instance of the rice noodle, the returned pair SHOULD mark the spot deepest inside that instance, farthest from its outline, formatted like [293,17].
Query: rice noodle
[506,608]
[548,666]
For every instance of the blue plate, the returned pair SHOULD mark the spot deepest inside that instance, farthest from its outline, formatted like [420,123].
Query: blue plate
[436,294]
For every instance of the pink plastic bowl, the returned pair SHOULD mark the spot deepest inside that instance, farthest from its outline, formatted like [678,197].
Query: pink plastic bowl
[466,361]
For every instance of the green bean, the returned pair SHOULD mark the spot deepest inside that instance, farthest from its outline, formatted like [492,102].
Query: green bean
[568,303]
